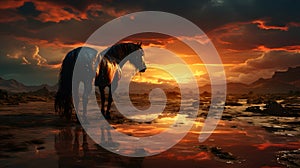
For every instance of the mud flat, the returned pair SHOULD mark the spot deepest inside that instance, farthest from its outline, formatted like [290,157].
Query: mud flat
[33,136]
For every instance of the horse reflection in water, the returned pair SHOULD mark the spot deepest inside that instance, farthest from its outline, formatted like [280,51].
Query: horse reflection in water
[73,152]
[107,68]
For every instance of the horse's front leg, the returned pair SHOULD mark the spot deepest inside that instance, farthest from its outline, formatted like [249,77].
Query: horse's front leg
[109,103]
[102,95]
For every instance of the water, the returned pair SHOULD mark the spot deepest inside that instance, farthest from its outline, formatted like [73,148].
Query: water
[32,136]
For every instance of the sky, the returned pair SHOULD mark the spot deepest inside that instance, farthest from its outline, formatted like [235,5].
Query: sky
[254,38]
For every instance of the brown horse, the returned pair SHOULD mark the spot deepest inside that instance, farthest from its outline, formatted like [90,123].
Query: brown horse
[110,67]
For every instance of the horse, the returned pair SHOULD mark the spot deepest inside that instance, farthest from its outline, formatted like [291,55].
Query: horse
[107,67]
[110,67]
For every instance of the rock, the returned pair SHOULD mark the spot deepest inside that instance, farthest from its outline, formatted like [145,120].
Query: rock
[274,108]
[202,147]
[217,151]
[232,103]
[289,158]
[255,100]
[3,94]
[227,117]
[254,109]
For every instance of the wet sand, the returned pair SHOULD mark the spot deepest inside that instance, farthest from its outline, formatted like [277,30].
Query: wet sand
[33,136]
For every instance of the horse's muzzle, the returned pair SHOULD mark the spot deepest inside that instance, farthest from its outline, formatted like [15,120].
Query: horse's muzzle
[143,70]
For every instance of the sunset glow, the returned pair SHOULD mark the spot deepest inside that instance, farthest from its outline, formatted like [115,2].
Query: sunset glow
[52,29]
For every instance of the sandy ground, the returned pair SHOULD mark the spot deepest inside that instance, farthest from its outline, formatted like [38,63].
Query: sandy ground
[33,136]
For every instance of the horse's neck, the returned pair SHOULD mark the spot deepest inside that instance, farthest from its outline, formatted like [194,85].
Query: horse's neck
[120,56]
[121,59]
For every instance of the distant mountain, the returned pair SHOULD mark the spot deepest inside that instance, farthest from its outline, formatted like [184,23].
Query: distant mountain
[289,76]
[272,86]
[43,86]
[233,88]
[280,82]
[12,85]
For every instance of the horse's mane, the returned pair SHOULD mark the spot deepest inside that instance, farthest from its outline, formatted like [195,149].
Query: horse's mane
[119,51]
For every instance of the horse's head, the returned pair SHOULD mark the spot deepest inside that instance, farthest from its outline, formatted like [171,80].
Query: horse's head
[137,57]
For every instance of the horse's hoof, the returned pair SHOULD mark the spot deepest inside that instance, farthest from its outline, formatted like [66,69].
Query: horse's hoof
[107,117]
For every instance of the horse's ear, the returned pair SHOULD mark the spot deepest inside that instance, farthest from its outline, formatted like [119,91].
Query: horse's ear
[139,44]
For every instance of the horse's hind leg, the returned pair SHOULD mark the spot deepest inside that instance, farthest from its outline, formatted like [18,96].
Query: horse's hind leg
[102,95]
[109,102]
[76,97]
[87,91]
[68,108]
[85,97]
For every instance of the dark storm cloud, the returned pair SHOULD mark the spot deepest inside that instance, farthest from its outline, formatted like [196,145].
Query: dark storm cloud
[28,9]
[76,22]
[249,35]
[63,21]
[210,14]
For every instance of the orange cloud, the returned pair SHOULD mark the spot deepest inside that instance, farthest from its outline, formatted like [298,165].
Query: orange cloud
[52,12]
[8,11]
[56,12]
[29,54]
[294,48]
[11,4]
[262,25]
[231,29]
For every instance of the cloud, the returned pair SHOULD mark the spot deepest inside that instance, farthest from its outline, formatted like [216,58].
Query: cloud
[10,16]
[271,60]
[58,11]
[241,31]
[264,66]
[29,54]
[28,74]
[55,13]
[293,48]
[11,4]
[262,25]
[249,35]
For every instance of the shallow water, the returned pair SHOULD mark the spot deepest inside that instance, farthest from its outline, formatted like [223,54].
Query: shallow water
[32,136]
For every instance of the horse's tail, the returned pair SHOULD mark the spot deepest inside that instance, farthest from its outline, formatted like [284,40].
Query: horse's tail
[63,98]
